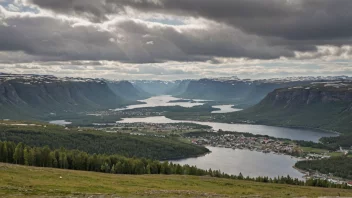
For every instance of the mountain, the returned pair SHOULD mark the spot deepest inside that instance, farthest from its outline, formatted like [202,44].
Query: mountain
[155,87]
[180,88]
[322,105]
[23,96]
[127,91]
[246,91]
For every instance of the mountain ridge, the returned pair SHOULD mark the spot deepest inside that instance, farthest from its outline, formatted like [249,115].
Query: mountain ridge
[42,95]
[325,106]
[247,91]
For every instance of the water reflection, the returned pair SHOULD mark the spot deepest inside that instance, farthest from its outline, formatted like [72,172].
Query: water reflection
[279,132]
[249,163]
[162,101]
[225,109]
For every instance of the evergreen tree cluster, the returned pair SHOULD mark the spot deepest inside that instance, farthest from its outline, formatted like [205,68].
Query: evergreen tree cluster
[338,166]
[116,164]
[344,140]
[93,141]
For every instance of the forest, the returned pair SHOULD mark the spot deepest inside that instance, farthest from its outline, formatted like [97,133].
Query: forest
[338,166]
[95,141]
[335,142]
[117,164]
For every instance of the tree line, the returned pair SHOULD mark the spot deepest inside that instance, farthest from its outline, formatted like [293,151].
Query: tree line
[338,166]
[116,164]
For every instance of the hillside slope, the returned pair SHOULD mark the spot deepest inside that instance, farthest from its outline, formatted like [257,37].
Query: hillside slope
[21,181]
[34,96]
[318,105]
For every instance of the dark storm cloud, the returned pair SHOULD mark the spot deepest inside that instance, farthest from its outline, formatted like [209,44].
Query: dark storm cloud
[92,9]
[253,29]
[288,19]
[57,40]
[219,40]
[50,39]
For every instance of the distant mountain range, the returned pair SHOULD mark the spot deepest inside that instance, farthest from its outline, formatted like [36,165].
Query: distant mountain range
[246,91]
[23,96]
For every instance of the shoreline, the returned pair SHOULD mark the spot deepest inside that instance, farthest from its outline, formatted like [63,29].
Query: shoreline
[273,125]
[304,172]
[179,158]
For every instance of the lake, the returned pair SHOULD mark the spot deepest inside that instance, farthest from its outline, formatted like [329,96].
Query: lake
[60,122]
[162,101]
[166,100]
[225,109]
[278,132]
[249,163]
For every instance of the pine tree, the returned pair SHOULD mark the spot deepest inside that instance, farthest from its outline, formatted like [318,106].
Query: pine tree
[18,154]
[119,168]
[148,169]
[113,169]
[1,151]
[46,157]
[27,155]
[240,176]
[5,153]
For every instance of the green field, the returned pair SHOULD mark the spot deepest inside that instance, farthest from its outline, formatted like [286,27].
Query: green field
[22,181]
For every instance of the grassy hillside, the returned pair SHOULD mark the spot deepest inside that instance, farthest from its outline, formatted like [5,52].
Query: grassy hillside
[21,181]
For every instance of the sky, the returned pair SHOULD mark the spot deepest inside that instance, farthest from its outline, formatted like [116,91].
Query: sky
[176,39]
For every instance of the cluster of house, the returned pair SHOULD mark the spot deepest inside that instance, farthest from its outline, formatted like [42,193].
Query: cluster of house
[314,156]
[345,151]
[146,127]
[144,134]
[262,144]
[158,127]
[129,113]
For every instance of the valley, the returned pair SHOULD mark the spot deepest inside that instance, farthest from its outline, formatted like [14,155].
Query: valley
[175,98]
[254,128]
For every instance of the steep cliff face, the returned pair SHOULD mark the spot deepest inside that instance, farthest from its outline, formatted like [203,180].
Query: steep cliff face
[308,95]
[180,88]
[127,91]
[323,105]
[155,87]
[45,95]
